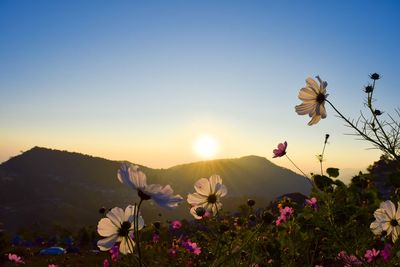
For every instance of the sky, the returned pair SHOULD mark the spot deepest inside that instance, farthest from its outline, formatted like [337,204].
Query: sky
[141,80]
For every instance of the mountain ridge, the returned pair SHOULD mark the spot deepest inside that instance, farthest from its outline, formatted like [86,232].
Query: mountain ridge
[71,186]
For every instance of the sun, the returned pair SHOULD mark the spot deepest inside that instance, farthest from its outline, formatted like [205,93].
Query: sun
[205,146]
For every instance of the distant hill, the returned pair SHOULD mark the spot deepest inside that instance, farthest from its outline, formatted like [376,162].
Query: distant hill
[43,188]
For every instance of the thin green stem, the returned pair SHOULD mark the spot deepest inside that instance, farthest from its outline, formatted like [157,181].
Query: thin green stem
[294,164]
[136,226]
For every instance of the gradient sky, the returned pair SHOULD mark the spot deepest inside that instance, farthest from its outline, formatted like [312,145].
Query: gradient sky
[139,80]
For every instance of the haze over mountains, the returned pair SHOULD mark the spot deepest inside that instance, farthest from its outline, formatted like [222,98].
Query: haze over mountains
[42,187]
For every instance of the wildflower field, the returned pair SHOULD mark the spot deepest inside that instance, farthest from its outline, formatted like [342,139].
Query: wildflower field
[336,225]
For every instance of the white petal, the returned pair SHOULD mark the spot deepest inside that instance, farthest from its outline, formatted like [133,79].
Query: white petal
[116,215]
[315,119]
[126,248]
[221,190]
[307,94]
[398,212]
[312,84]
[395,233]
[376,228]
[196,199]
[389,207]
[105,227]
[214,180]
[107,243]
[129,213]
[124,176]
[193,212]
[322,110]
[305,108]
[203,187]
[138,178]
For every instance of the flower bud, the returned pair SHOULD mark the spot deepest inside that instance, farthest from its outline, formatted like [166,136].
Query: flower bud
[250,202]
[200,211]
[252,217]
[368,89]
[267,217]
[374,76]
[102,210]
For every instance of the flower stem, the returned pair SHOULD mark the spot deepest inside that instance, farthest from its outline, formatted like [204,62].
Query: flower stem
[294,164]
[136,226]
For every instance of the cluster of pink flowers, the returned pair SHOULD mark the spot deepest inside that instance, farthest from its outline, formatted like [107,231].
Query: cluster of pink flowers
[348,260]
[312,202]
[285,214]
[191,247]
[15,258]
[371,254]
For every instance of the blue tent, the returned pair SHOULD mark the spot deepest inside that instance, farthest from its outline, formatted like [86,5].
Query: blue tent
[52,251]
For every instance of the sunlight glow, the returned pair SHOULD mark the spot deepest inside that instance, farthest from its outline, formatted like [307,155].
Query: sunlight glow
[206,146]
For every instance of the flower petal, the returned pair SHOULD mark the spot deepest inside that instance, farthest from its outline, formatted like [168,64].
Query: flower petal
[315,119]
[202,186]
[221,190]
[107,243]
[196,199]
[214,180]
[389,207]
[106,227]
[126,247]
[116,215]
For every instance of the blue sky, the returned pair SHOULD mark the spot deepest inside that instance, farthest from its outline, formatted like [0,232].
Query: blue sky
[139,80]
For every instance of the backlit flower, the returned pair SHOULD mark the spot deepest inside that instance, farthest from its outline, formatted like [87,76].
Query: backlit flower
[387,219]
[280,151]
[208,194]
[313,97]
[131,175]
[117,227]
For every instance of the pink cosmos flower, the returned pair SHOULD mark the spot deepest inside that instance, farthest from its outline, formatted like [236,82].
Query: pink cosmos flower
[348,260]
[105,263]
[385,252]
[318,265]
[15,258]
[155,238]
[287,212]
[114,253]
[192,247]
[53,265]
[371,254]
[281,219]
[312,202]
[176,224]
[280,151]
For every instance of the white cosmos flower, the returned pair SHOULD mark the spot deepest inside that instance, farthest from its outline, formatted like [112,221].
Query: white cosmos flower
[313,97]
[208,194]
[387,219]
[131,175]
[117,227]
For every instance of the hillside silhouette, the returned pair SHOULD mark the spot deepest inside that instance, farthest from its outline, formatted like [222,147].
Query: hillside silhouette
[43,188]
